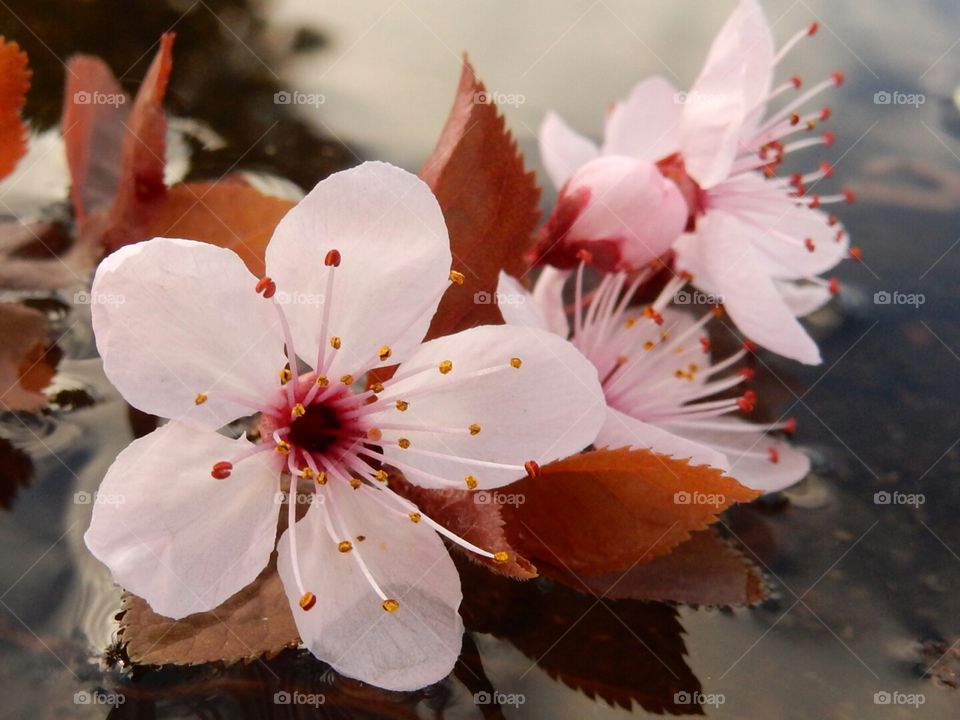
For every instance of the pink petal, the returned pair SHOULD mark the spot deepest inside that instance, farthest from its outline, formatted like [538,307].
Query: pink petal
[416,645]
[622,430]
[176,318]
[174,535]
[394,264]
[647,124]
[563,150]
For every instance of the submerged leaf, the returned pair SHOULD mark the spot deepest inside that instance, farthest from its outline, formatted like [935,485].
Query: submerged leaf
[607,510]
[28,359]
[14,84]
[489,201]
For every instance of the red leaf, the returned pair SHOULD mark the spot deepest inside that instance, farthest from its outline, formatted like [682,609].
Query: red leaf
[14,84]
[28,359]
[489,200]
[480,523]
[607,510]
[704,570]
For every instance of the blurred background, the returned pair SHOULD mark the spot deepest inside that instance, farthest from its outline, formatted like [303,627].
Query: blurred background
[864,589]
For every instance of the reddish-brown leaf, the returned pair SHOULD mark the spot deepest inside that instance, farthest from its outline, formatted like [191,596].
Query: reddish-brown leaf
[255,622]
[143,154]
[28,359]
[228,213]
[489,200]
[14,84]
[704,570]
[607,510]
[474,516]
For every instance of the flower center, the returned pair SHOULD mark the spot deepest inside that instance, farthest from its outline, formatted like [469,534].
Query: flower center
[316,430]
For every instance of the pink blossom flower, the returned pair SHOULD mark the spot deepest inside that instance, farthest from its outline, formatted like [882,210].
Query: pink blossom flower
[657,374]
[758,241]
[356,271]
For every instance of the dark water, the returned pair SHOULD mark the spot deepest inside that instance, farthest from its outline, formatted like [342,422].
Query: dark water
[865,594]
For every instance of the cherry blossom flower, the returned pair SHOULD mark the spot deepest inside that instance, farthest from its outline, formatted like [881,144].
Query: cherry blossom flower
[657,374]
[356,271]
[758,241]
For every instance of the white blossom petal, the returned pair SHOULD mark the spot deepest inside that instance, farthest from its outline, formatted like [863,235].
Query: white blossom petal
[622,430]
[647,124]
[563,150]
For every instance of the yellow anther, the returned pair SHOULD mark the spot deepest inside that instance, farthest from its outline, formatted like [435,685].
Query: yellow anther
[630,322]
[471,482]
[344,546]
[384,352]
[335,342]
[381,475]
[456,277]
[282,447]
[649,345]
[402,405]
[307,473]
[415,517]
[404,443]
[308,600]
[445,366]
[322,478]
[200,399]
[361,538]
[500,557]
[346,379]
[516,362]
[355,483]
[298,410]
[391,605]
[375,434]
[678,373]
[285,375]
[694,367]
[622,360]
[377,387]
[322,380]
[474,429]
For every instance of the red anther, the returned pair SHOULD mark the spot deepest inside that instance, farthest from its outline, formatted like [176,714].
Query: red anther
[764,151]
[794,119]
[332,259]
[685,275]
[221,470]
[266,287]
[705,343]
[532,468]
[797,81]
[825,114]
[832,220]
[839,236]
[770,169]
[849,196]
[801,190]
[856,254]
[718,310]
[778,146]
[796,180]
[815,203]
[834,286]
[748,402]
[826,168]
[774,454]
[746,373]
[750,346]
[585,256]
[814,26]
[837,77]
[650,312]
[809,244]
[829,138]
[790,426]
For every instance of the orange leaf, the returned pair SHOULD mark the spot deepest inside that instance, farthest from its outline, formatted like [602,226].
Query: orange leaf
[14,83]
[27,357]
[228,213]
[607,510]
[489,200]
